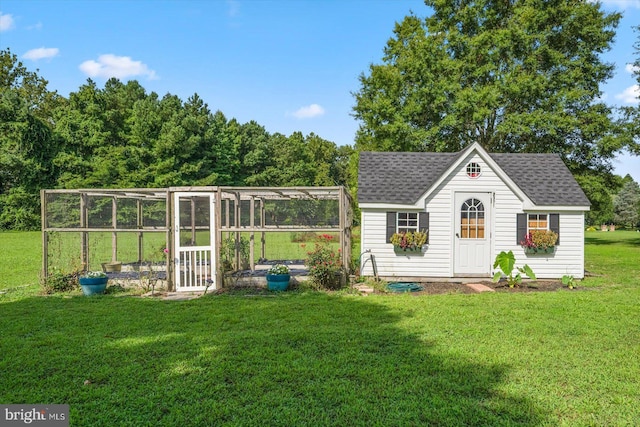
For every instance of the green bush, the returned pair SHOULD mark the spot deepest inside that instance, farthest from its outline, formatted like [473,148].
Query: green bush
[325,264]
[60,282]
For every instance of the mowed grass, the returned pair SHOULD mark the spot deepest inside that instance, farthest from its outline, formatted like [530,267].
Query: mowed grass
[20,259]
[304,358]
[21,256]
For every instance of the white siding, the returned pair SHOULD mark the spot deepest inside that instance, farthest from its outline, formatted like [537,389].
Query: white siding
[437,259]
[569,254]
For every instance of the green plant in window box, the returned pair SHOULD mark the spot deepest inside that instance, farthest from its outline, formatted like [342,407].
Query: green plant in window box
[410,241]
[539,241]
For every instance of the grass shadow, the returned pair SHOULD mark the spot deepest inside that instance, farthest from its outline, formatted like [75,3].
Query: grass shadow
[302,359]
[616,238]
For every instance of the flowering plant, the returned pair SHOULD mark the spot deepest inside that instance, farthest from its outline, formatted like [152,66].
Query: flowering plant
[409,240]
[94,274]
[279,269]
[325,264]
[539,239]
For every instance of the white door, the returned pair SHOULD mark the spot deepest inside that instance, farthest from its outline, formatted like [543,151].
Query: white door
[472,239]
[194,236]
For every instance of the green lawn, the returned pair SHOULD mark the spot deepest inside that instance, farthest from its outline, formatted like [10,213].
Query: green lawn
[304,358]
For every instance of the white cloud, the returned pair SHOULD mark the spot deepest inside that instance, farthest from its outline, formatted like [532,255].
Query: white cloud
[631,95]
[37,26]
[41,52]
[621,4]
[120,67]
[6,22]
[308,112]
[234,8]
[631,69]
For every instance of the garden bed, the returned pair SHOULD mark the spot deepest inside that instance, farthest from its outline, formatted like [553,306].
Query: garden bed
[435,288]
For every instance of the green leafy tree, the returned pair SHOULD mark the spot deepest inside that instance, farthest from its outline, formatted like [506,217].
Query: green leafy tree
[627,204]
[519,76]
[600,191]
[631,115]
[27,145]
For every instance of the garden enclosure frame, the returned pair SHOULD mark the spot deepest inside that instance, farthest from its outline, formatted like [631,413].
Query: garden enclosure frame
[188,226]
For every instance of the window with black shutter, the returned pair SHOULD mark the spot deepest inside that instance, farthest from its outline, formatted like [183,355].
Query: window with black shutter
[529,222]
[399,222]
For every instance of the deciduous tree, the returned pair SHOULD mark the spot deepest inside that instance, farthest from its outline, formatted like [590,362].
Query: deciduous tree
[516,76]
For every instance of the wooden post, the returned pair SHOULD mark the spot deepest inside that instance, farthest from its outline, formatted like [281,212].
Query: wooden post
[237,237]
[263,217]
[169,242]
[193,221]
[45,235]
[252,212]
[139,225]
[84,236]
[227,213]
[218,242]
[341,221]
[114,224]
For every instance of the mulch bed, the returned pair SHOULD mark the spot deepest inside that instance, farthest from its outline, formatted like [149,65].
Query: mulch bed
[434,288]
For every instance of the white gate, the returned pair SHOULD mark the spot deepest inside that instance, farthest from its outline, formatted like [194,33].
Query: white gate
[194,237]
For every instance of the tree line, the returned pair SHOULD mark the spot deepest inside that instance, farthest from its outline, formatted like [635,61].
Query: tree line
[516,76]
[120,136]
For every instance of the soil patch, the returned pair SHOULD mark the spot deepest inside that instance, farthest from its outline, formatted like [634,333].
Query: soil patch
[434,288]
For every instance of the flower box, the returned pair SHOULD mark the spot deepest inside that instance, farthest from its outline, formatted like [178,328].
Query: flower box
[408,243]
[539,242]
[533,251]
[408,251]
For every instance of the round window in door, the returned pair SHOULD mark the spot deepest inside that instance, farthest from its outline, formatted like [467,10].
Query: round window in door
[472,219]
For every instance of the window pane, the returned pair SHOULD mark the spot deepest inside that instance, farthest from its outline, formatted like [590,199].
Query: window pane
[407,222]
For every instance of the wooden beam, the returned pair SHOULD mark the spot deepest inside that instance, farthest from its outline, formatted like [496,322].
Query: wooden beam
[104,230]
[84,237]
[45,235]
[168,222]
[114,234]
[218,241]
[252,213]
[236,222]
[139,224]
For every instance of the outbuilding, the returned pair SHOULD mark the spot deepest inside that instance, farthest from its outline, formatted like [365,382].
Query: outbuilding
[471,205]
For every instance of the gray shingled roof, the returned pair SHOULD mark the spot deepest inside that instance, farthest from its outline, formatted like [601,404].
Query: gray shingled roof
[392,177]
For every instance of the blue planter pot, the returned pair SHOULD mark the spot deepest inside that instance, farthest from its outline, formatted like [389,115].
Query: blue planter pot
[93,285]
[278,282]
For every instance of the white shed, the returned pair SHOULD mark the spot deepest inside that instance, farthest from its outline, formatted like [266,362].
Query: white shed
[473,205]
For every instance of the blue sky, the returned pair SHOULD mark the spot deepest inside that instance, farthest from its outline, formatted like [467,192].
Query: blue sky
[289,65]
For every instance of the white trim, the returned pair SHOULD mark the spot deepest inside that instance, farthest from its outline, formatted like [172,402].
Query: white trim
[463,157]
[554,209]
[391,206]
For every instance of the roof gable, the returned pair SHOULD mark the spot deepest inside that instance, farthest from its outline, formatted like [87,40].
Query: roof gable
[403,177]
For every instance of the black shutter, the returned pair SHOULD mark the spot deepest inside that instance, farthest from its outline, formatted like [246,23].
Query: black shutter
[391,225]
[554,225]
[423,223]
[521,229]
